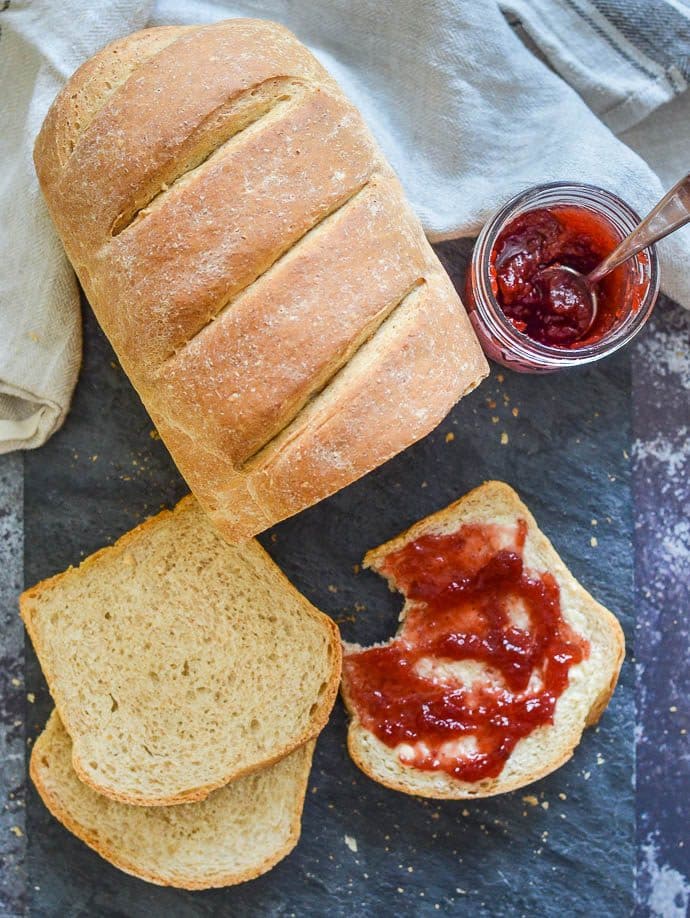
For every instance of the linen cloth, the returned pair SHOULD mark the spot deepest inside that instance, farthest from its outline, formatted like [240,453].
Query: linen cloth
[466,111]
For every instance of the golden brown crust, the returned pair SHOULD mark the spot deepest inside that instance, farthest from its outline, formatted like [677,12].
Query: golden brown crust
[488,495]
[203,186]
[320,716]
[97,844]
[459,792]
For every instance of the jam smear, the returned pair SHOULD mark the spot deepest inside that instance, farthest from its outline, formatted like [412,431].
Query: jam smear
[557,311]
[470,599]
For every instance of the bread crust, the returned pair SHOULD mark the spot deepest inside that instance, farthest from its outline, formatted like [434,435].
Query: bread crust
[323,704]
[195,172]
[110,854]
[482,500]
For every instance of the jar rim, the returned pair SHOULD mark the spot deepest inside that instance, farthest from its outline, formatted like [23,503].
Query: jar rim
[623,217]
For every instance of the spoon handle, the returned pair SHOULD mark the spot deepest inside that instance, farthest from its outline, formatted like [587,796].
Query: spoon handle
[672,212]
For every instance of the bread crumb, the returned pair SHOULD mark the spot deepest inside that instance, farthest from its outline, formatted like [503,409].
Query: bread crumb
[465,812]
[562,797]
[600,759]
[16,682]
[360,607]
[17,831]
[595,522]
[545,805]
[587,775]
[94,457]
[424,484]
[154,434]
[450,437]
[332,588]
[491,403]
[500,377]
[351,843]
[31,698]
[356,568]
[593,542]
[515,412]
[504,438]
[531,799]
[494,420]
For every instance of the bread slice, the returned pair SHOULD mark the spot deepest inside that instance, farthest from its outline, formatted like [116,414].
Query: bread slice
[590,685]
[239,832]
[178,663]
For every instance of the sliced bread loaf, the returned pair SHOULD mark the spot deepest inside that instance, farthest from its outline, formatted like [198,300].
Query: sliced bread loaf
[239,832]
[178,663]
[465,678]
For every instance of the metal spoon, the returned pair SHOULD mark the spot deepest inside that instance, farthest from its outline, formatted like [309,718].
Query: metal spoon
[672,212]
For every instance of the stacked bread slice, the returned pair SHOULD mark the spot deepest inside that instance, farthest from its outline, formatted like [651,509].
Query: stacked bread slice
[190,681]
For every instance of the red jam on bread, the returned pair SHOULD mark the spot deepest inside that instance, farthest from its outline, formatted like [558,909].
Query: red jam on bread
[481,659]
[557,312]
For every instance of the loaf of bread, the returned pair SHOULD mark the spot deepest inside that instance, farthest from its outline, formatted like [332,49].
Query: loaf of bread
[239,832]
[253,261]
[178,663]
[589,683]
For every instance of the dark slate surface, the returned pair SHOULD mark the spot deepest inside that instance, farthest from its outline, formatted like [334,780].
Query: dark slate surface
[661,402]
[12,693]
[365,850]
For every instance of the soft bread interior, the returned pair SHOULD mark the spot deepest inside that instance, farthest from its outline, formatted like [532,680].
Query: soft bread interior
[178,663]
[237,833]
[591,682]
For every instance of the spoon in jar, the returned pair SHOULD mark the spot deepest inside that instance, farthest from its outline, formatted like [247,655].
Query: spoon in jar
[571,287]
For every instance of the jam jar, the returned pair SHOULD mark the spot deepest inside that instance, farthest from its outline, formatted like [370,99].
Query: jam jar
[529,328]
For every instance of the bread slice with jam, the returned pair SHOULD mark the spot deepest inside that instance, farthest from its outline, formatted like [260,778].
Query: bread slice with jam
[239,832]
[501,659]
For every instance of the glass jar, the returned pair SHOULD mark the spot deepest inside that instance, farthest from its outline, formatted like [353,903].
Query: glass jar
[501,340]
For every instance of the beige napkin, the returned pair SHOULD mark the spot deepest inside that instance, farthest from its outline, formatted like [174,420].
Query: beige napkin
[41,44]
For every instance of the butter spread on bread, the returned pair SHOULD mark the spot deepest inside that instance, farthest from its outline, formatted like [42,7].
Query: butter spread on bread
[499,663]
[252,258]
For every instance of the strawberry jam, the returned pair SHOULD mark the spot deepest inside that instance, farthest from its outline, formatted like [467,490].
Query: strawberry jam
[481,659]
[557,311]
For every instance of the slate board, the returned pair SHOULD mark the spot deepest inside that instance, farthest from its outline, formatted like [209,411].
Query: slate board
[566,454]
